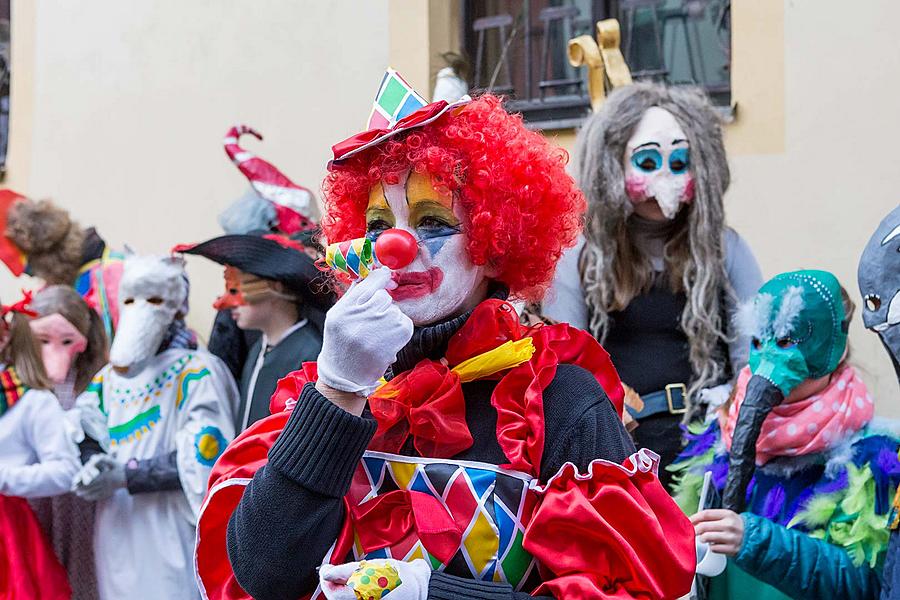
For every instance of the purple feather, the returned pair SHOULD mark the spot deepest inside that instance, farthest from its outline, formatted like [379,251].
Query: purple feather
[774,504]
[751,487]
[698,443]
[719,470]
[886,462]
[829,486]
[885,469]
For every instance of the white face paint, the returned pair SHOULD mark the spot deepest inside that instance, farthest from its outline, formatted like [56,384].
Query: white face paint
[152,291]
[441,282]
[657,161]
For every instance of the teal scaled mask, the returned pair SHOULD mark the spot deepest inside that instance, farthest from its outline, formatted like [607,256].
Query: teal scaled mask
[796,322]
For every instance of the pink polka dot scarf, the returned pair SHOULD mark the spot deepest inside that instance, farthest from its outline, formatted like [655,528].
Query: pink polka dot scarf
[807,426]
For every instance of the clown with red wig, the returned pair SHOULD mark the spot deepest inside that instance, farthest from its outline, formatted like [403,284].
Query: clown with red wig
[438,449]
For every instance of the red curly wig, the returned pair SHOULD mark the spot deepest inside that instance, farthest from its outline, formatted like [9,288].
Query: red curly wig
[521,207]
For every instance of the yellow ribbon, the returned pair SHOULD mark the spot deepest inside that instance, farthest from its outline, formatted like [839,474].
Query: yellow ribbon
[508,355]
[505,356]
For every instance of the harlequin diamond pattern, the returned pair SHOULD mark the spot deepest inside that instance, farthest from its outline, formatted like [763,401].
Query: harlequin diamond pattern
[487,505]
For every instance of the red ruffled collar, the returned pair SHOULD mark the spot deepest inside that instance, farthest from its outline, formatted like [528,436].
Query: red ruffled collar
[427,403]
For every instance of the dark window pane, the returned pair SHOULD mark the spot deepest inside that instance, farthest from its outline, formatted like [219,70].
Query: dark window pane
[518,49]
[4,82]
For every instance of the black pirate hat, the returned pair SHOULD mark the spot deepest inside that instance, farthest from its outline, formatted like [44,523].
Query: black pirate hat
[274,257]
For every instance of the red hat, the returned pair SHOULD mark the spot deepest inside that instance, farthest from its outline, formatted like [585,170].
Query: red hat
[396,108]
[292,202]
[10,254]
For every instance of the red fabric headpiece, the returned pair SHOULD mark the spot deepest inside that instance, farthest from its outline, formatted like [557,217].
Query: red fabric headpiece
[21,307]
[423,116]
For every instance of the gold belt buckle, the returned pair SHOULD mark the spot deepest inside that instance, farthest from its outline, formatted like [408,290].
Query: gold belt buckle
[683,388]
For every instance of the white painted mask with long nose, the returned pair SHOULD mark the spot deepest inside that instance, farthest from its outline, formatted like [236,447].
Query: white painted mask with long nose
[152,291]
[657,163]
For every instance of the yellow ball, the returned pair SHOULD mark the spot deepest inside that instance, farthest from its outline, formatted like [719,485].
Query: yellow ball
[373,581]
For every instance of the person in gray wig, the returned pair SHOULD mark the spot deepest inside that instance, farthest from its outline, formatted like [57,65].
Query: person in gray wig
[658,274]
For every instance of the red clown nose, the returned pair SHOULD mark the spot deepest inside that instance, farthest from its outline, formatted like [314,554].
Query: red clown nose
[396,248]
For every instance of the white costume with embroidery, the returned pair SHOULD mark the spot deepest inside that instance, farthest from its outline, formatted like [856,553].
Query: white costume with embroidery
[180,401]
[37,456]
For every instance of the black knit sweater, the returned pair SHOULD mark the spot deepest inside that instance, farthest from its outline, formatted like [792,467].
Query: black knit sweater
[292,510]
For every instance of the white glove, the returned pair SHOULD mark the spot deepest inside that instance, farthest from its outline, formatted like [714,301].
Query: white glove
[99,478]
[364,331]
[414,578]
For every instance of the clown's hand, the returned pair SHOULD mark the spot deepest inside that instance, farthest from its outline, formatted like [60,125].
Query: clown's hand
[99,478]
[364,331]
[380,578]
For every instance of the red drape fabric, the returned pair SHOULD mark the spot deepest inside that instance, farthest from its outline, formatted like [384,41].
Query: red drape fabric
[613,532]
[385,520]
[288,388]
[28,566]
[227,481]
[519,397]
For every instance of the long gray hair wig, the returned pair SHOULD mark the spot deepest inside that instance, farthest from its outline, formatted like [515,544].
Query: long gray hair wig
[599,157]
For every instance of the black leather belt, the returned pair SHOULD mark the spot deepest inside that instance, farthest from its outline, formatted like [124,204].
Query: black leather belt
[672,400]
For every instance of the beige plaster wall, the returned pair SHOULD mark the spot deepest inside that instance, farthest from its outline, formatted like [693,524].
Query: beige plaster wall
[419,31]
[119,107]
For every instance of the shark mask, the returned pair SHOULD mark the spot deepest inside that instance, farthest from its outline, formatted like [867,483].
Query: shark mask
[879,284]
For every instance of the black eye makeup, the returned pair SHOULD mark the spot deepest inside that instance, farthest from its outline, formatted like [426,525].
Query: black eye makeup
[376,227]
[436,224]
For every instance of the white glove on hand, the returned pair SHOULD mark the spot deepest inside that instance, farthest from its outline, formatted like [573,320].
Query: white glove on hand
[364,331]
[414,577]
[99,478]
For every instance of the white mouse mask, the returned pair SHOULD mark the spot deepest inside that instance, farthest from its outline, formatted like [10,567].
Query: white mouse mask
[657,163]
[152,291]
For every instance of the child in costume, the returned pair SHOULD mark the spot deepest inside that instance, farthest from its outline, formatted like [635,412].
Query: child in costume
[73,344]
[37,459]
[273,205]
[74,348]
[879,284]
[658,273]
[272,285]
[166,415]
[797,446]
[493,462]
